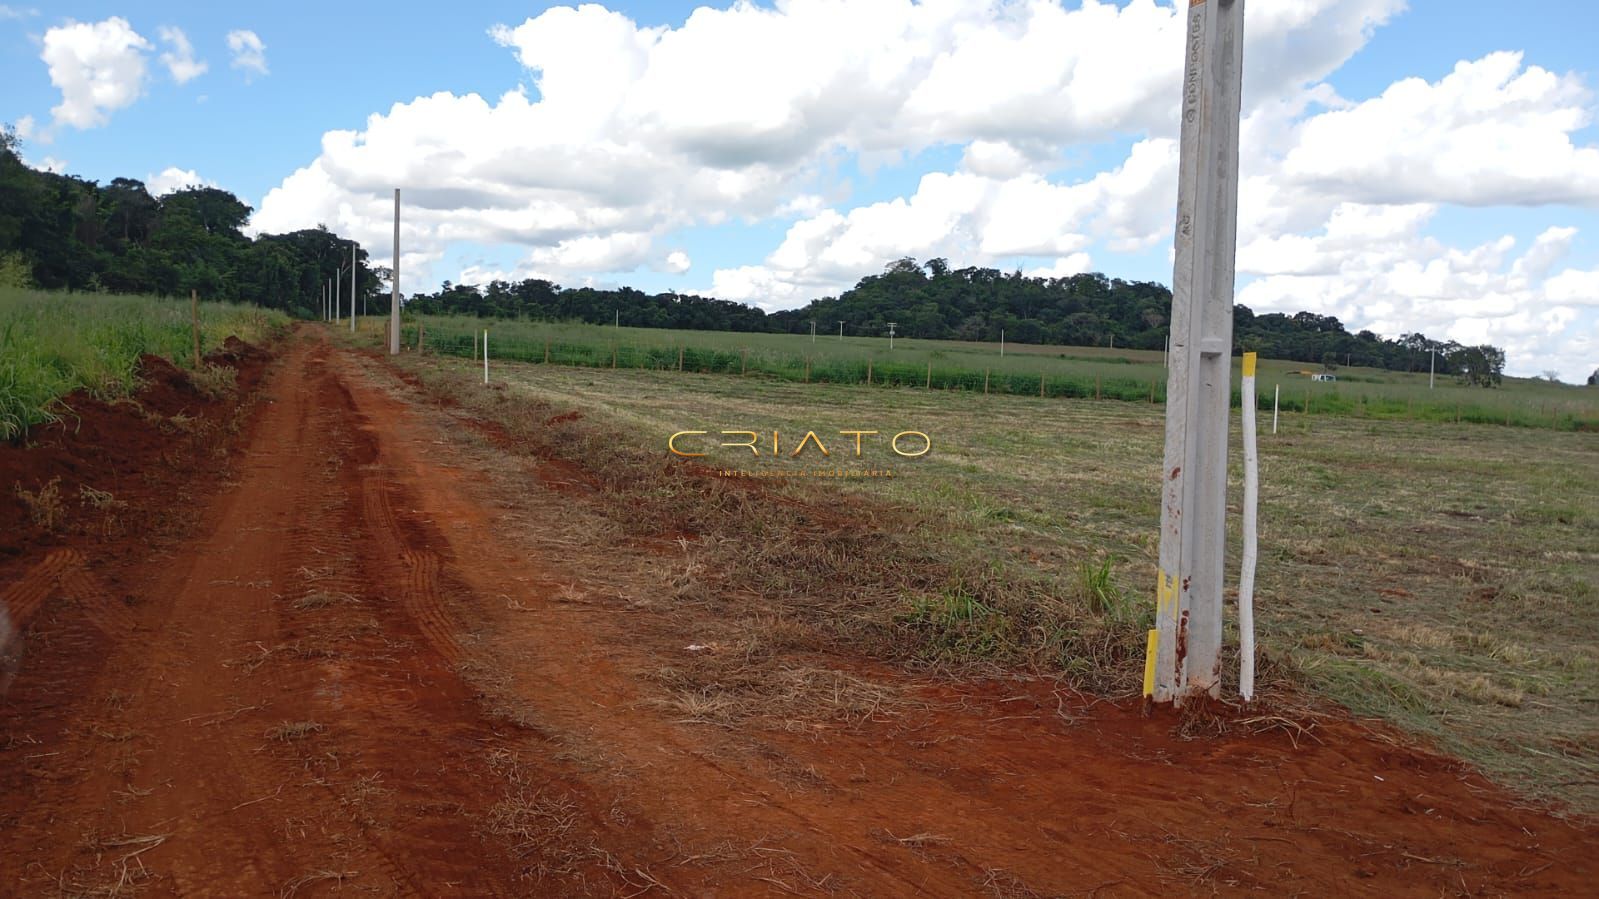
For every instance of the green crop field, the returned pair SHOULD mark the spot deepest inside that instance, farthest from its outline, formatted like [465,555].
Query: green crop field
[53,343]
[1441,576]
[1130,375]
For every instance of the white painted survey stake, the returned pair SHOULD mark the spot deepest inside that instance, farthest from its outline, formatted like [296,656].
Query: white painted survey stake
[1246,576]
[485,355]
[1186,644]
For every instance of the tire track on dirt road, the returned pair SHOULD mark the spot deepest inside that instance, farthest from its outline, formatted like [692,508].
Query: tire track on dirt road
[268,732]
[79,584]
[172,755]
[566,678]
[64,573]
[24,598]
[420,591]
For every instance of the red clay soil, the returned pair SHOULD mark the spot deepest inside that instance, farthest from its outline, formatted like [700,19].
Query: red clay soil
[140,451]
[354,675]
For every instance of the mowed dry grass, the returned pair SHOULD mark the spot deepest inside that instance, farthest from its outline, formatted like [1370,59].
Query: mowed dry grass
[1439,576]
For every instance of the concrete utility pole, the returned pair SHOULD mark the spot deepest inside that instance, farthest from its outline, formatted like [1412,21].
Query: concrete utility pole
[352,286]
[840,332]
[891,334]
[813,330]
[1186,643]
[1432,366]
[394,298]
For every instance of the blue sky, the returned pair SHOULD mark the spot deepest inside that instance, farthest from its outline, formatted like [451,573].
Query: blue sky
[768,155]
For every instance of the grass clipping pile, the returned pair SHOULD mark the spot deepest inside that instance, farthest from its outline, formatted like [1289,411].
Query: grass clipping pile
[793,569]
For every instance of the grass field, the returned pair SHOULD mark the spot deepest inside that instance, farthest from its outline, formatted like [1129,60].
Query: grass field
[1102,372]
[1438,576]
[53,343]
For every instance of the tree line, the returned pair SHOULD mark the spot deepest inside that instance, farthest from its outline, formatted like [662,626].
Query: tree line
[64,232]
[932,301]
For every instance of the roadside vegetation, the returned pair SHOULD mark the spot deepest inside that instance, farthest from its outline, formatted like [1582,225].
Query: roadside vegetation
[1440,577]
[52,344]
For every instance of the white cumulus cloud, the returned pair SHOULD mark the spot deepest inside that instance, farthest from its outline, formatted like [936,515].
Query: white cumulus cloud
[249,53]
[1577,288]
[624,135]
[978,218]
[1376,269]
[676,262]
[179,58]
[99,67]
[173,178]
[1066,266]
[1491,132]
[629,130]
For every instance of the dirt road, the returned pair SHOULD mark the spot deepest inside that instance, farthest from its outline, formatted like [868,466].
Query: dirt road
[392,661]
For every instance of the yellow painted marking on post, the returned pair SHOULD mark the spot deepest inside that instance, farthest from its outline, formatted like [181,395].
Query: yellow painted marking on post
[1150,647]
[1249,365]
[1165,592]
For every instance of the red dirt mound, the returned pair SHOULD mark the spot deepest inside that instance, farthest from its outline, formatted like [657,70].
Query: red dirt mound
[164,387]
[135,449]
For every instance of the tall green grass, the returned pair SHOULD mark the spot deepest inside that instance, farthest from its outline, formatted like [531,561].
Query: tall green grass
[54,343]
[1022,370]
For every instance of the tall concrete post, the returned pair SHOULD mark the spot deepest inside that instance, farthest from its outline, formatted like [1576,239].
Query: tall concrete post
[1186,644]
[352,287]
[394,299]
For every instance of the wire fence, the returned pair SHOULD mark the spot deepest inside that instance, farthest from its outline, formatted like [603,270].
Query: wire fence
[789,367]
[1294,399]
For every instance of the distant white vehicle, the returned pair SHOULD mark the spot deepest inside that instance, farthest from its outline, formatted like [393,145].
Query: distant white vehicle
[1323,376]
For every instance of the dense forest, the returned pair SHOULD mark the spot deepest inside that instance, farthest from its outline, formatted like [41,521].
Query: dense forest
[61,232]
[64,232]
